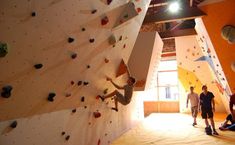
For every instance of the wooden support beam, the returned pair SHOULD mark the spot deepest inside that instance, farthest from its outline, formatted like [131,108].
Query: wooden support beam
[177,33]
[183,14]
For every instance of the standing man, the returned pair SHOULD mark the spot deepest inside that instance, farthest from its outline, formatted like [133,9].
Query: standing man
[194,101]
[207,104]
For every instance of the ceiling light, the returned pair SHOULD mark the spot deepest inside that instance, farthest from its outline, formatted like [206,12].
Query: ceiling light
[174,7]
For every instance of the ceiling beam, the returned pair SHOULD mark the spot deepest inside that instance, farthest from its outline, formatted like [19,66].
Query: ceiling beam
[177,33]
[183,14]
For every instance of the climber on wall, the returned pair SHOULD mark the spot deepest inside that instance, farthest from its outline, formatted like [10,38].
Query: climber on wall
[207,104]
[230,117]
[119,97]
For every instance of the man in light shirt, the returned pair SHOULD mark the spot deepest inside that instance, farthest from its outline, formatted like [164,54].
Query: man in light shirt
[194,101]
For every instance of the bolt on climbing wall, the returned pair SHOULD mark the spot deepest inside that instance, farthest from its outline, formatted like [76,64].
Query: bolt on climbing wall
[55,56]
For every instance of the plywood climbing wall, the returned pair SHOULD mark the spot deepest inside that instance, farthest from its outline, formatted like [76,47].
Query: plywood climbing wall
[58,56]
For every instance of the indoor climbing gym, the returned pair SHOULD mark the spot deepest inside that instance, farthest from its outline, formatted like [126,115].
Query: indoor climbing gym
[117,72]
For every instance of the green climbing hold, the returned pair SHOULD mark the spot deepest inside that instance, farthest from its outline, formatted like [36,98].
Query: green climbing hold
[3,49]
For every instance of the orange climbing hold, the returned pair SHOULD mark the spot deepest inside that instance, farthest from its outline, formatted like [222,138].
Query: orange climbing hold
[122,69]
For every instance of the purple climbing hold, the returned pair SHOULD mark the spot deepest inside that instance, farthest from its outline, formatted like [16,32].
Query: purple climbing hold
[51,97]
[109,2]
[38,66]
[6,91]
[70,39]
[13,124]
[83,99]
[92,40]
[85,83]
[94,11]
[67,137]
[74,55]
[33,14]
[74,110]
[79,83]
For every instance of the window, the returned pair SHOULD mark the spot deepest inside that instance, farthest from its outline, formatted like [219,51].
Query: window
[167,82]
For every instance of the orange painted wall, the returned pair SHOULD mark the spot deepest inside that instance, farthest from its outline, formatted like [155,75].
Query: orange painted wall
[218,15]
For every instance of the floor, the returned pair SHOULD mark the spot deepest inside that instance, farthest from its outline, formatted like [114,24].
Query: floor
[174,129]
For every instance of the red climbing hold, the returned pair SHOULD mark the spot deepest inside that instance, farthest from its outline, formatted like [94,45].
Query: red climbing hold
[138,10]
[104,20]
[98,142]
[96,114]
[124,46]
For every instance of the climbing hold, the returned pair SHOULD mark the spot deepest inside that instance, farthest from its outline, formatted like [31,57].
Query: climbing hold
[85,107]
[109,2]
[120,38]
[6,91]
[126,16]
[74,55]
[88,66]
[138,10]
[72,82]
[112,40]
[124,46]
[92,40]
[106,60]
[33,14]
[96,114]
[83,29]
[70,39]
[94,11]
[38,66]
[79,83]
[63,133]
[68,94]
[51,97]
[13,124]
[98,142]
[74,110]
[82,99]
[105,91]
[85,83]
[67,137]
[3,49]
[104,20]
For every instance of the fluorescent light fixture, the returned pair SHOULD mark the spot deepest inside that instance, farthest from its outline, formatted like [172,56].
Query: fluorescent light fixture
[174,7]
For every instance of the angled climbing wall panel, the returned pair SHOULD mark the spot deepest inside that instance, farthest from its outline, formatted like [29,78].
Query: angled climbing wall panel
[145,57]
[194,70]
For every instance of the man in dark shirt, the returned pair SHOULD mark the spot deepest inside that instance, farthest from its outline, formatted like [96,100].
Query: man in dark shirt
[207,104]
